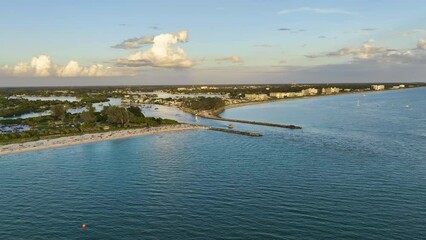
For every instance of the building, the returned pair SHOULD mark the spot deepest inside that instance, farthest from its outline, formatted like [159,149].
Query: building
[257,97]
[286,94]
[309,91]
[330,90]
[378,87]
[278,94]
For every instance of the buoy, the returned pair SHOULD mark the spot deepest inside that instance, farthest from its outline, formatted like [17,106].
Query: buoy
[83,225]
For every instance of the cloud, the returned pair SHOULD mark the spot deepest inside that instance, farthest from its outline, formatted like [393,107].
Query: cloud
[232,59]
[421,44]
[42,66]
[383,55]
[365,51]
[414,31]
[161,54]
[317,10]
[133,43]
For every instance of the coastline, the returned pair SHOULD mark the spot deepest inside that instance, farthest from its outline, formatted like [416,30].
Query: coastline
[91,137]
[216,114]
[96,137]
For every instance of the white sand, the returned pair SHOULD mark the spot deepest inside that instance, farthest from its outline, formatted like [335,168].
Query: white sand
[92,137]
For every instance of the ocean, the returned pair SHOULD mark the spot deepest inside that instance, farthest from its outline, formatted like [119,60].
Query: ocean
[357,170]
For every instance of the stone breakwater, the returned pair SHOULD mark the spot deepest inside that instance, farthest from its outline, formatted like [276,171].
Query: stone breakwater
[92,137]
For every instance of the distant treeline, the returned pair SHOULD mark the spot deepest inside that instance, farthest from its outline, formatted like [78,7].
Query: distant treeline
[17,107]
[62,123]
[203,103]
[117,91]
[240,90]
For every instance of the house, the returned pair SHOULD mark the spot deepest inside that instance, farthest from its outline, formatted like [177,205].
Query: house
[257,97]
[378,87]
[286,94]
[330,90]
[309,91]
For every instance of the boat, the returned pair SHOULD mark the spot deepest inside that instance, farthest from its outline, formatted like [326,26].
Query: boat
[357,104]
[230,126]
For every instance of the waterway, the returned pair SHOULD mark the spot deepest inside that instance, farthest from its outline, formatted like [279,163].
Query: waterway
[354,172]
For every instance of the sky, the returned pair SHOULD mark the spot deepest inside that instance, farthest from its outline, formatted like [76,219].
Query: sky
[124,42]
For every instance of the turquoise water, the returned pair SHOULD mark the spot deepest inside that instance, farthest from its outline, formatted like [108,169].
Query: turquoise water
[352,173]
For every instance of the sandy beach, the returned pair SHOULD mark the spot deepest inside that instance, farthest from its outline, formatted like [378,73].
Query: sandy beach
[92,137]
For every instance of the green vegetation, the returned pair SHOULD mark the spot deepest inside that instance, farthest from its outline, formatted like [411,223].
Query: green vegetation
[59,111]
[136,111]
[203,103]
[89,117]
[61,123]
[236,91]
[118,116]
[94,99]
[16,107]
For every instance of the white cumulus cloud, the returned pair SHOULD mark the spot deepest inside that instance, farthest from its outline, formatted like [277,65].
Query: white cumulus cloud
[421,44]
[161,54]
[42,66]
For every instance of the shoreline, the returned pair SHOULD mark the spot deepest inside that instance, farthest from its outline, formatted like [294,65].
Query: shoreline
[216,114]
[111,135]
[91,137]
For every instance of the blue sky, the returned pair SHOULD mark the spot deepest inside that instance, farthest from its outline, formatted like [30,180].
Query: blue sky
[217,42]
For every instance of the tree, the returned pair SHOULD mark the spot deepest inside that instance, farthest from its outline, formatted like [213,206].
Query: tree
[89,117]
[117,115]
[136,111]
[59,112]
[204,103]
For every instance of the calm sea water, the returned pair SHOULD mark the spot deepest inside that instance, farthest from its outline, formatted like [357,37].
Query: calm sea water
[352,173]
